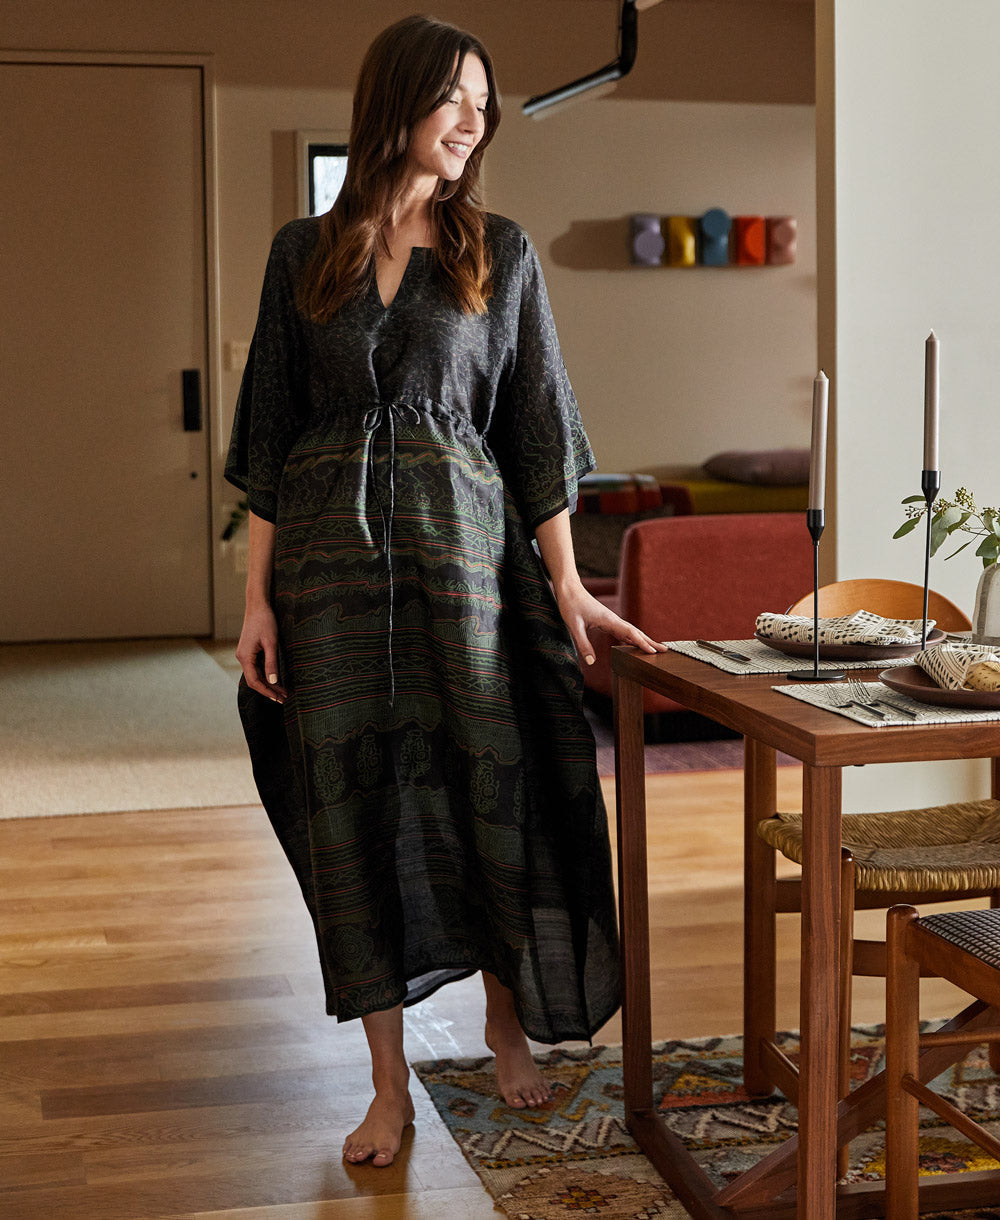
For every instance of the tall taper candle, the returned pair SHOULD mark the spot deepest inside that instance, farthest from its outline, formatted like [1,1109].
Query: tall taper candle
[931,461]
[817,451]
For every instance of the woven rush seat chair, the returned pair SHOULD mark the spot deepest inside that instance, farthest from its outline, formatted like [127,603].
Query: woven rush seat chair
[936,854]
[963,947]
[940,850]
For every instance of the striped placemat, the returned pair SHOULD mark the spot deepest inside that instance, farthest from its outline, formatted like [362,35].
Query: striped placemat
[832,696]
[764,660]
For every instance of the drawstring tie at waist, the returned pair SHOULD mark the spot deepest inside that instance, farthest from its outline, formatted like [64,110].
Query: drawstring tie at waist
[389,414]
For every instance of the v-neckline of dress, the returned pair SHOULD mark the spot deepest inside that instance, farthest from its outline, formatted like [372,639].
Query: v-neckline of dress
[415,252]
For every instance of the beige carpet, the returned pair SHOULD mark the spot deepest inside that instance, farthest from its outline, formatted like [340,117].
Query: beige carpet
[106,727]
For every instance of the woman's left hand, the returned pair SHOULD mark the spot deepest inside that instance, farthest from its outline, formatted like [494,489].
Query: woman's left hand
[581,612]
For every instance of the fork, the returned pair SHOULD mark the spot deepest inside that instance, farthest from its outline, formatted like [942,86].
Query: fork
[859,692]
[840,697]
[860,695]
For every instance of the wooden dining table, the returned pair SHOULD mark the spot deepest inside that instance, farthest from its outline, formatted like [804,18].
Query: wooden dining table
[799,1178]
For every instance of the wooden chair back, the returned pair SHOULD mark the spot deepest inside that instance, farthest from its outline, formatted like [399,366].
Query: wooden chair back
[891,598]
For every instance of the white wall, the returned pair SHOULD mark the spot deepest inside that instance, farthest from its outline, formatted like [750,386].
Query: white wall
[909,111]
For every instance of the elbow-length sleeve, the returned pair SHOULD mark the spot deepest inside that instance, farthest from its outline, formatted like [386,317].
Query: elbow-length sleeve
[271,407]
[536,431]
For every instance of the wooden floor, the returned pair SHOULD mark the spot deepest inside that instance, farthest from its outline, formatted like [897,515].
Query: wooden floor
[163,1047]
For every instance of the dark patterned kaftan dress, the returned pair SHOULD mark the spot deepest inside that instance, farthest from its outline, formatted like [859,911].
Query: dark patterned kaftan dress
[431,776]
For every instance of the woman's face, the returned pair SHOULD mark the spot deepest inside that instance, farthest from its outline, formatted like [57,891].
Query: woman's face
[441,143]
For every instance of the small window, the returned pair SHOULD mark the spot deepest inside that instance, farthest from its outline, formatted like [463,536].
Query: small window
[322,167]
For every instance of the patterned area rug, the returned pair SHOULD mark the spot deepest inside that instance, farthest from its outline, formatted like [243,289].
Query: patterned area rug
[576,1157]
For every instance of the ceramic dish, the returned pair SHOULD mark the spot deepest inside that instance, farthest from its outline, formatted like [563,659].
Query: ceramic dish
[913,681]
[850,652]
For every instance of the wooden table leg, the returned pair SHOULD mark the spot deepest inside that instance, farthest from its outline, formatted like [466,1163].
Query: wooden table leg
[993,1051]
[633,895]
[819,995]
[759,983]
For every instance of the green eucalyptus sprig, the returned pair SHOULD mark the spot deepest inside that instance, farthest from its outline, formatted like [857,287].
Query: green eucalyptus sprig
[963,514]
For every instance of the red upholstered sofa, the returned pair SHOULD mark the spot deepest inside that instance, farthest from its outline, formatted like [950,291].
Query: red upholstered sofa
[609,503]
[681,578]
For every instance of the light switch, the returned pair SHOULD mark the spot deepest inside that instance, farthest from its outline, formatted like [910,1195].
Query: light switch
[237,352]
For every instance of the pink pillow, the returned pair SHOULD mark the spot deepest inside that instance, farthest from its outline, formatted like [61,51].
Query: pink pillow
[772,467]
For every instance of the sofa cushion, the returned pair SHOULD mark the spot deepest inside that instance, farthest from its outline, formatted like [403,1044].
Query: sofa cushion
[597,539]
[772,467]
[603,587]
[697,497]
[617,493]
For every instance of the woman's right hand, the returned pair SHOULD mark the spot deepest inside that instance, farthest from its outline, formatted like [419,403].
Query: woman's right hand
[257,652]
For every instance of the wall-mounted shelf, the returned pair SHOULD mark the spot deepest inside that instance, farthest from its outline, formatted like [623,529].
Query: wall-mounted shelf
[714,239]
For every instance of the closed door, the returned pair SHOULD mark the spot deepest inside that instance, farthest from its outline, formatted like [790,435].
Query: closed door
[104,498]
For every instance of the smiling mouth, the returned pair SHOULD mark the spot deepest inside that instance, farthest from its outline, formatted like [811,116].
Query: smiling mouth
[459,150]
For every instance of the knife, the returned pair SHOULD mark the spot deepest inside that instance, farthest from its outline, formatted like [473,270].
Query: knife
[728,653]
[895,707]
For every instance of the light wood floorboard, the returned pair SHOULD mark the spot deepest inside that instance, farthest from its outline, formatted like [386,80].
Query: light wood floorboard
[163,1047]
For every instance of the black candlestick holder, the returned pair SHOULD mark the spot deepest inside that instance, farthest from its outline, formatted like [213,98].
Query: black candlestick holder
[816,521]
[930,484]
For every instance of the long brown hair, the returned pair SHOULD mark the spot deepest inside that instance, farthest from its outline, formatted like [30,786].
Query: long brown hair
[409,70]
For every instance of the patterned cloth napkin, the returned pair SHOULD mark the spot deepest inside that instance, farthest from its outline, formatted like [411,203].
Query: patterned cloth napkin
[962,666]
[861,627]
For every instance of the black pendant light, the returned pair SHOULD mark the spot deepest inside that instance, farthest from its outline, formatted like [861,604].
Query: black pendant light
[628,40]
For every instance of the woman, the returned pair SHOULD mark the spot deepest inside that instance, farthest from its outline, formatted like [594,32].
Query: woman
[404,429]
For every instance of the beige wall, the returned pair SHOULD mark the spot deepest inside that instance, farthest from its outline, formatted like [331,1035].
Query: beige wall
[907,107]
[670,366]
[692,50]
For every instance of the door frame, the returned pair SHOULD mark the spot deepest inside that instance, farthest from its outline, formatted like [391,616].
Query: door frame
[217,441]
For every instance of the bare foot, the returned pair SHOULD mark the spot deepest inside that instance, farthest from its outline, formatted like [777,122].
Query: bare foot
[519,1080]
[379,1136]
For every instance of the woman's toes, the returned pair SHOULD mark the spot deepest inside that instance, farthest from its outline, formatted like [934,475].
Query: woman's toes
[379,1136]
